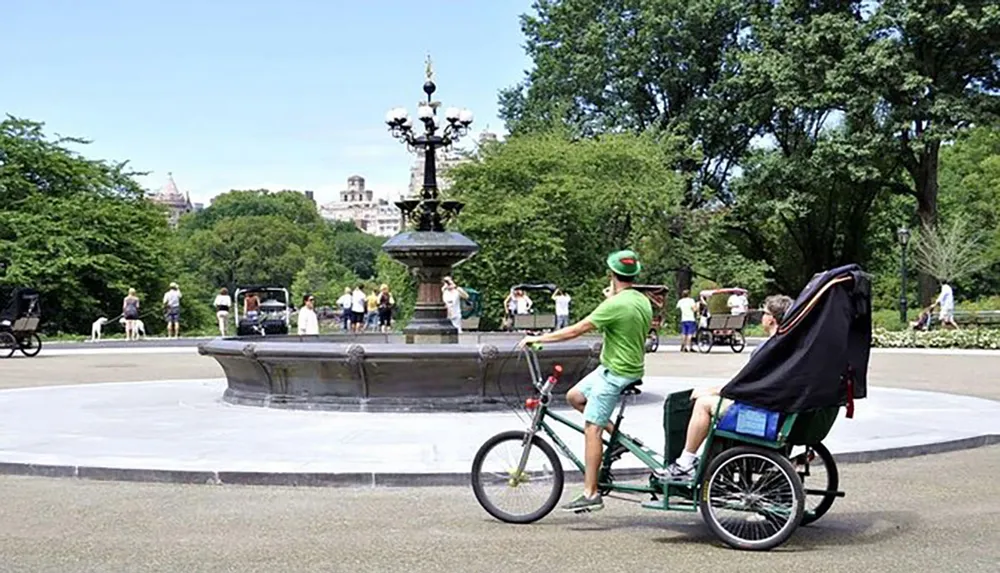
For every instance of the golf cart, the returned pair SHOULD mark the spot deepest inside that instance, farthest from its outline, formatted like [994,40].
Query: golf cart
[273,315]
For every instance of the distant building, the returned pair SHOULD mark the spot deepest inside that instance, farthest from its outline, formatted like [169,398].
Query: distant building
[358,205]
[176,202]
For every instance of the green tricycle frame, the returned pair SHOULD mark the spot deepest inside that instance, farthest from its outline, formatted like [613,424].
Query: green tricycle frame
[763,480]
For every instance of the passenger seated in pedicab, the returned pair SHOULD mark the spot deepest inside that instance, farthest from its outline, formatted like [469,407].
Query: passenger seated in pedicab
[814,362]
[707,400]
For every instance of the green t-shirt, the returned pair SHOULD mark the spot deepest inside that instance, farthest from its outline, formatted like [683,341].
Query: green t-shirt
[624,321]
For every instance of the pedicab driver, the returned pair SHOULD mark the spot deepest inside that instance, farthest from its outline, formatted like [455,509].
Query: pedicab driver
[624,319]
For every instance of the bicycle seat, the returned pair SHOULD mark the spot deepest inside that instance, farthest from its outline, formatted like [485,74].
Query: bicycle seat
[632,389]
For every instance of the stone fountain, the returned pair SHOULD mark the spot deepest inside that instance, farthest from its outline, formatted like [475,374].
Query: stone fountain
[427,369]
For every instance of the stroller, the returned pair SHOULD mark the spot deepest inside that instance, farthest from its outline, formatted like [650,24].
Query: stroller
[19,322]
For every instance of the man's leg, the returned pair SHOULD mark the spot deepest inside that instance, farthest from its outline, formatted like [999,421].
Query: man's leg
[592,453]
[578,400]
[600,397]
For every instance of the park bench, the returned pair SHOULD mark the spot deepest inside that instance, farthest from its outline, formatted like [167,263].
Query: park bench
[978,318]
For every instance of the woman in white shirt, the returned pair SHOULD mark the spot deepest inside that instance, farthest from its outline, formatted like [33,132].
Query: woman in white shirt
[222,303]
[308,321]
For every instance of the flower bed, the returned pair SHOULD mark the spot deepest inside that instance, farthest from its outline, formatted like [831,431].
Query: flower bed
[965,338]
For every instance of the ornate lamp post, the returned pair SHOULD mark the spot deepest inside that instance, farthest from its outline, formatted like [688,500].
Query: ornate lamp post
[427,249]
[903,234]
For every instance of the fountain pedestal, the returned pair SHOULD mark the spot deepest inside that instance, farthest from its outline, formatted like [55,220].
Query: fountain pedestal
[430,256]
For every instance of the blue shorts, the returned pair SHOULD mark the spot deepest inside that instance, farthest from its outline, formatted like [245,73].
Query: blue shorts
[173,314]
[602,388]
[689,327]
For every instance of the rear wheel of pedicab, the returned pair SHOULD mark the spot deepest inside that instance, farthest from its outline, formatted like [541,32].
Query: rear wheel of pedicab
[8,345]
[818,473]
[511,496]
[751,498]
[31,345]
[652,341]
[705,339]
[737,341]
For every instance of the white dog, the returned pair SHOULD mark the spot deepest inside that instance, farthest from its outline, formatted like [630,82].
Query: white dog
[95,329]
[140,328]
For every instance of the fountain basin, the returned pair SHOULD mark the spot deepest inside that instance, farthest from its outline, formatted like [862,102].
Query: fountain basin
[380,373]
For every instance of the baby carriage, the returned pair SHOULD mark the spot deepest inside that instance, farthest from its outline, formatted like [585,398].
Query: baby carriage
[19,322]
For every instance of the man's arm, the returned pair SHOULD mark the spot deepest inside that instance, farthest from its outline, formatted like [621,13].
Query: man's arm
[569,333]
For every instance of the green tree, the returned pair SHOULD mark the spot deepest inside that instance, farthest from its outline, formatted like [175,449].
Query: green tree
[289,205]
[950,252]
[601,66]
[357,251]
[970,190]
[549,209]
[931,71]
[323,279]
[263,250]
[79,230]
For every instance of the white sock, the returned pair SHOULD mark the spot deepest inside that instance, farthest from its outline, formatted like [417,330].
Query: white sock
[687,459]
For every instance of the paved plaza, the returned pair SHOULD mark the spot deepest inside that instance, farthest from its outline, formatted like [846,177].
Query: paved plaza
[928,513]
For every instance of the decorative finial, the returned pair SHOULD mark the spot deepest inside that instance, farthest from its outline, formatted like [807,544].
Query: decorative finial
[429,69]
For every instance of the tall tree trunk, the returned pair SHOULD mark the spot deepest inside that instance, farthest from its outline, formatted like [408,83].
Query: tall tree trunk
[926,183]
[683,280]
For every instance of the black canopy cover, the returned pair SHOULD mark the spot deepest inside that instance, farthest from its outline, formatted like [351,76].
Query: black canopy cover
[23,301]
[819,357]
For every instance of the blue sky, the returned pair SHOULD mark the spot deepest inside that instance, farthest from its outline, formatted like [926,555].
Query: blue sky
[247,94]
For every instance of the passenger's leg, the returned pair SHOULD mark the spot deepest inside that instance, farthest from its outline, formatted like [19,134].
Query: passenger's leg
[697,431]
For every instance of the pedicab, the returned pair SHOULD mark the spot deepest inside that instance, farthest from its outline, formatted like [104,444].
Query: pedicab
[19,322]
[764,470]
[534,321]
[657,295]
[722,327]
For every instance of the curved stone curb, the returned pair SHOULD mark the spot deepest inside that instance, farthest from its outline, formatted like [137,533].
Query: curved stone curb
[366,479]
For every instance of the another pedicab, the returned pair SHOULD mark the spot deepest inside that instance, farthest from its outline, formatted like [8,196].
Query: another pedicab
[722,327]
[657,295]
[534,321]
[19,321]
[762,460]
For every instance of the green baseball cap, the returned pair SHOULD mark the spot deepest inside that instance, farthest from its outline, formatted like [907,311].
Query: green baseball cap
[625,263]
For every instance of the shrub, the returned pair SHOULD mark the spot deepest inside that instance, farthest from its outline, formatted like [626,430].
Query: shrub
[965,338]
[888,319]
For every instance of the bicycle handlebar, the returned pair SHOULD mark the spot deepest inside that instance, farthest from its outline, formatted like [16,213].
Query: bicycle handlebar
[544,386]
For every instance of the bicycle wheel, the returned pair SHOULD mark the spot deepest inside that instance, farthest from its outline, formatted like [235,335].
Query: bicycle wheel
[751,498]
[8,345]
[704,339]
[31,345]
[822,475]
[507,495]
[737,342]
